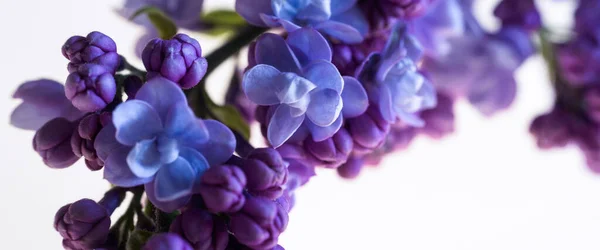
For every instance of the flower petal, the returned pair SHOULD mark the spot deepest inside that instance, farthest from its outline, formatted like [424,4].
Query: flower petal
[323,133]
[117,172]
[183,125]
[166,206]
[220,145]
[382,97]
[353,17]
[174,180]
[325,107]
[135,120]
[292,88]
[340,6]
[282,125]
[340,31]
[309,45]
[144,159]
[161,94]
[251,10]
[271,49]
[197,161]
[354,97]
[325,75]
[106,142]
[315,11]
[261,84]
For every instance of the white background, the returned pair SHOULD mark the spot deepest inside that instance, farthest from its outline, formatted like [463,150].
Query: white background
[485,187]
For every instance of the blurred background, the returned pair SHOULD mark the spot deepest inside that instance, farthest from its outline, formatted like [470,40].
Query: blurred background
[487,186]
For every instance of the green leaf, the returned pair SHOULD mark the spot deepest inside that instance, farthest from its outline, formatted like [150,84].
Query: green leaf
[138,239]
[229,116]
[223,18]
[164,25]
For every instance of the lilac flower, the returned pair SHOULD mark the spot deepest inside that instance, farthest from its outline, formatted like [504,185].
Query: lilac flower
[340,19]
[552,130]
[82,140]
[167,241]
[382,13]
[522,13]
[95,48]
[296,79]
[579,59]
[439,121]
[222,189]
[331,153]
[156,140]
[259,223]
[351,168]
[43,100]
[131,85]
[53,143]
[266,172]
[443,21]
[368,131]
[184,13]
[91,87]
[591,99]
[201,229]
[179,60]
[393,83]
[349,57]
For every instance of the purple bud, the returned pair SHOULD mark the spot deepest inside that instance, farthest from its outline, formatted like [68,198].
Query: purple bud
[83,225]
[551,130]
[266,172]
[91,87]
[96,48]
[439,121]
[349,57]
[331,152]
[521,13]
[351,169]
[368,130]
[299,174]
[259,223]
[382,13]
[579,59]
[131,85]
[167,241]
[82,140]
[203,230]
[222,189]
[179,60]
[53,142]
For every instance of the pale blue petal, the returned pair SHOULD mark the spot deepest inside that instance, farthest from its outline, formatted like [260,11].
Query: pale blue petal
[309,45]
[340,6]
[354,97]
[382,97]
[144,159]
[174,181]
[197,161]
[325,75]
[411,119]
[161,94]
[251,10]
[323,133]
[273,21]
[271,49]
[282,125]
[325,107]
[165,206]
[340,31]
[117,172]
[299,108]
[106,142]
[315,11]
[292,87]
[261,84]
[220,145]
[286,9]
[182,124]
[136,120]
[355,18]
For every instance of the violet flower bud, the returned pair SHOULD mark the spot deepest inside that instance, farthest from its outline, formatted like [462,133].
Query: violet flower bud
[259,223]
[131,85]
[82,140]
[179,60]
[91,87]
[266,172]
[439,121]
[52,142]
[95,48]
[203,230]
[382,13]
[368,130]
[349,57]
[351,169]
[222,189]
[331,152]
[552,130]
[521,13]
[167,241]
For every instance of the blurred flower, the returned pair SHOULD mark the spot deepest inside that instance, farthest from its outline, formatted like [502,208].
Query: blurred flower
[522,13]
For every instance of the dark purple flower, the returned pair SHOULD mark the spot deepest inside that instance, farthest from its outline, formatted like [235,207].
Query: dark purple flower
[95,48]
[522,13]
[382,13]
[351,168]
[203,230]
[222,189]
[333,151]
[579,59]
[82,140]
[348,57]
[592,103]
[259,223]
[439,121]
[178,59]
[91,87]
[266,172]
[553,129]
[53,142]
[167,241]
[368,130]
[43,100]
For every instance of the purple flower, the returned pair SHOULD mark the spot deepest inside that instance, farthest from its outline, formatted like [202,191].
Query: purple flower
[53,142]
[266,172]
[156,140]
[349,57]
[179,60]
[382,13]
[579,59]
[522,13]
[259,223]
[222,189]
[95,48]
[91,87]
[82,140]
[340,19]
[552,130]
[299,174]
[331,153]
[184,13]
[368,130]
[296,79]
[439,121]
[167,241]
[203,230]
[351,169]
[43,100]
[443,21]
[591,100]
[393,83]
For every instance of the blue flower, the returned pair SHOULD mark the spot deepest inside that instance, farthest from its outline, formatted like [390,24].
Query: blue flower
[393,82]
[340,19]
[443,21]
[296,79]
[156,140]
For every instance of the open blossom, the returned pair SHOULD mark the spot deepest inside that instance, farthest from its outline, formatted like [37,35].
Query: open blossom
[296,79]
[393,82]
[340,19]
[157,141]
[95,48]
